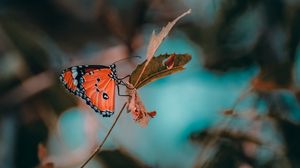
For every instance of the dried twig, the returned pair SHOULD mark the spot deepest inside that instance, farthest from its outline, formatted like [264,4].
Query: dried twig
[106,136]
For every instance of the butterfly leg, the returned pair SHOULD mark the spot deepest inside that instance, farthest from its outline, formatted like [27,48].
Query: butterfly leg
[124,84]
[119,92]
[125,77]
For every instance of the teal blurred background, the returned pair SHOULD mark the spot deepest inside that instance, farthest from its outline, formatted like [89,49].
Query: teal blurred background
[235,105]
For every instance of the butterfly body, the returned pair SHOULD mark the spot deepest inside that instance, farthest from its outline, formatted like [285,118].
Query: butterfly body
[95,84]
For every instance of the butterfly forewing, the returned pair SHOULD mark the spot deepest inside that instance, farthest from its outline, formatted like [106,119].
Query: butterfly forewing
[99,90]
[92,83]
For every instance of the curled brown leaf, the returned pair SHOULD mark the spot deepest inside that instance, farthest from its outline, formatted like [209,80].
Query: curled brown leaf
[137,108]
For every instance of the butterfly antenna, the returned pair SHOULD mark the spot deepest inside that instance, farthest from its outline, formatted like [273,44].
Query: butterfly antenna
[126,59]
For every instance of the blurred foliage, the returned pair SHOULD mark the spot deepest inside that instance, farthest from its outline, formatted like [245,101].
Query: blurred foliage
[39,38]
[124,159]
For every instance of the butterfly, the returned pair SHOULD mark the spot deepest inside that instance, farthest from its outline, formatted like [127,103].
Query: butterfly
[95,84]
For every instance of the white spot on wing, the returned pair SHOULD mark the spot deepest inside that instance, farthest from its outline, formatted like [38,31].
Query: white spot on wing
[75,82]
[74,74]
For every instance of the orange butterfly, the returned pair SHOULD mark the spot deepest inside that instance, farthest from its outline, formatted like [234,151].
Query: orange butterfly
[95,84]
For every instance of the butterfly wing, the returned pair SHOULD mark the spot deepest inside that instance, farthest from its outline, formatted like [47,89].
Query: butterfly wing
[93,84]
[99,89]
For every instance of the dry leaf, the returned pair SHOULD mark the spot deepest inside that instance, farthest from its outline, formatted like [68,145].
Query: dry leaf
[156,40]
[42,155]
[137,108]
[159,67]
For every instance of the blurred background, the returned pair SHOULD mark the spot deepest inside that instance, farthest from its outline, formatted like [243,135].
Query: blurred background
[236,104]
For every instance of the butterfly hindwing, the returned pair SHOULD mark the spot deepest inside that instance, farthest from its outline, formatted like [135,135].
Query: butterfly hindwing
[92,83]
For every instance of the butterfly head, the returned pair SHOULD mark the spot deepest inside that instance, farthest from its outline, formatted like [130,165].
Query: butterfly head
[113,68]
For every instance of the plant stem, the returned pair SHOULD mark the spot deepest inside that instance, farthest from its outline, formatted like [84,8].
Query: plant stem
[241,97]
[105,138]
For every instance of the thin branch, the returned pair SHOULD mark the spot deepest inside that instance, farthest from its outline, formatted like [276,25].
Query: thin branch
[210,142]
[105,138]
[242,97]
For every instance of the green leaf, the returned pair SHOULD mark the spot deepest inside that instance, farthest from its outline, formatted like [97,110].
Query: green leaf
[158,67]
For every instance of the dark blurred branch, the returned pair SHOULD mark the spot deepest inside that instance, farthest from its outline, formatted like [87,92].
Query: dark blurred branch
[291,137]
[120,158]
[28,88]
[229,134]
[293,33]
